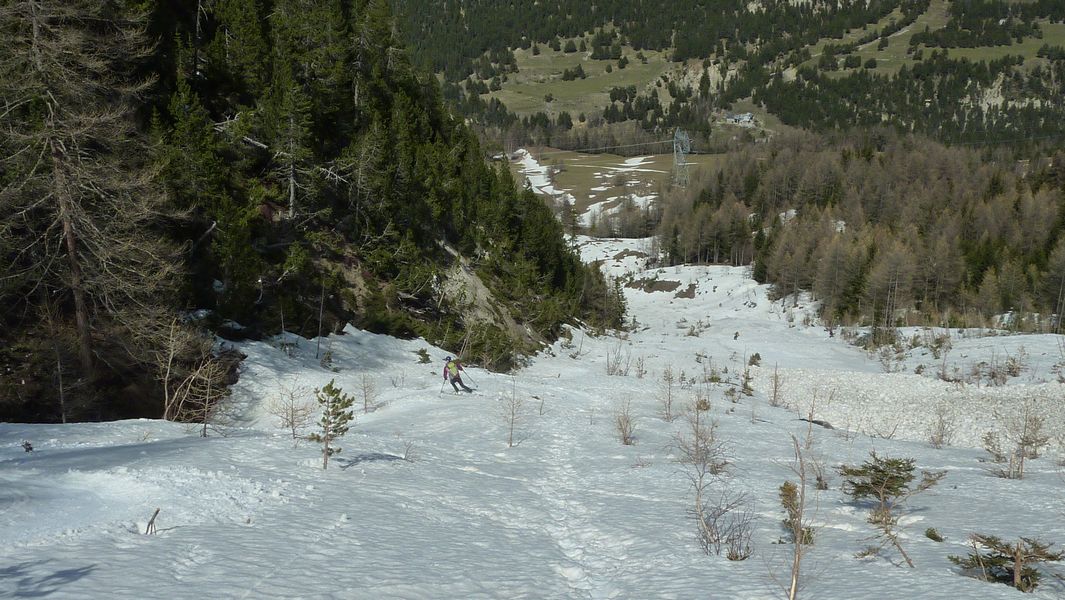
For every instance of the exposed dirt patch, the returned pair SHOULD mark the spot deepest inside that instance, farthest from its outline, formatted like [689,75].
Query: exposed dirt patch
[688,293]
[654,285]
[629,252]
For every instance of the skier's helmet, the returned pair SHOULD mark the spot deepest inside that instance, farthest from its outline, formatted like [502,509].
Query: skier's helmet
[448,359]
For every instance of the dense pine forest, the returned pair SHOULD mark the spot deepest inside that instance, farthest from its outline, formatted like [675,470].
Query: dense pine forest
[175,169]
[772,53]
[885,229]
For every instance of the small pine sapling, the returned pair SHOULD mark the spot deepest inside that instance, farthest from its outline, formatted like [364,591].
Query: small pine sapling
[336,414]
[794,498]
[793,503]
[992,559]
[745,382]
[888,482]
[933,534]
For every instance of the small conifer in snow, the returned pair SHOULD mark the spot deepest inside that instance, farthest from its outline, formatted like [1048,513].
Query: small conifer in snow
[889,482]
[993,559]
[336,414]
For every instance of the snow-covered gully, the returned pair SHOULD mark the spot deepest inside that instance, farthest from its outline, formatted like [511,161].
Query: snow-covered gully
[428,499]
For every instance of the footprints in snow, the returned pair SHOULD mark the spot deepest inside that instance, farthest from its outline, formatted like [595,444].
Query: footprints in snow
[593,555]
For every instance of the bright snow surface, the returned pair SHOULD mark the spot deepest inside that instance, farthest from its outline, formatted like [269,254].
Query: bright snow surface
[568,512]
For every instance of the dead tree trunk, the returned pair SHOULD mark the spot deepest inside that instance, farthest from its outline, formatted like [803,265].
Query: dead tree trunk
[81,309]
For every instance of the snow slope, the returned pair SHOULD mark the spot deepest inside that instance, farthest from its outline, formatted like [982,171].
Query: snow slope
[428,501]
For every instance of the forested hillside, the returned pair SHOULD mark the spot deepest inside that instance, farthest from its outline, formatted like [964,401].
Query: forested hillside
[176,168]
[885,228]
[969,71]
[913,170]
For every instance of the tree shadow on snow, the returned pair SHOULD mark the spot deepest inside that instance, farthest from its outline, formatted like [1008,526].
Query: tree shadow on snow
[368,457]
[26,581]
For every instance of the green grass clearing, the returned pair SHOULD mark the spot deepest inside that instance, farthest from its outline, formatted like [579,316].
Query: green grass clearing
[538,76]
[895,55]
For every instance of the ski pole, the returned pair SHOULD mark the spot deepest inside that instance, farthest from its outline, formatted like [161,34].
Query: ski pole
[442,383]
[470,376]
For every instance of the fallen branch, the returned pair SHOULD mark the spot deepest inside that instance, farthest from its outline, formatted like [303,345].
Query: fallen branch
[150,529]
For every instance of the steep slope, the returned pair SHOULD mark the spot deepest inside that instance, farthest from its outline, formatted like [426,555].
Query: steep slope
[428,501]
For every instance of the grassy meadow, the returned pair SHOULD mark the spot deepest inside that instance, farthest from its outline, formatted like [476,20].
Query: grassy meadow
[596,178]
[540,75]
[895,55]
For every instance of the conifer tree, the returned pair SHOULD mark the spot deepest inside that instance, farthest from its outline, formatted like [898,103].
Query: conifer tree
[239,46]
[996,560]
[287,119]
[336,414]
[193,167]
[78,199]
[887,481]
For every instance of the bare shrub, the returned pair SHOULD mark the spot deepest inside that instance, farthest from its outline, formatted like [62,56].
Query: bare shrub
[992,443]
[776,396]
[618,360]
[193,378]
[721,524]
[641,368]
[1024,438]
[941,430]
[820,474]
[739,531]
[666,393]
[292,408]
[410,454]
[368,393]
[1028,430]
[702,401]
[624,423]
[512,411]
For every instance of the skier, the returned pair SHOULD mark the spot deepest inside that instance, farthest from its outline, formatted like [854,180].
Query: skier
[452,366]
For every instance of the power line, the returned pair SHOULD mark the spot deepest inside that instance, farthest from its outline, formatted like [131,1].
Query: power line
[1008,141]
[613,147]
